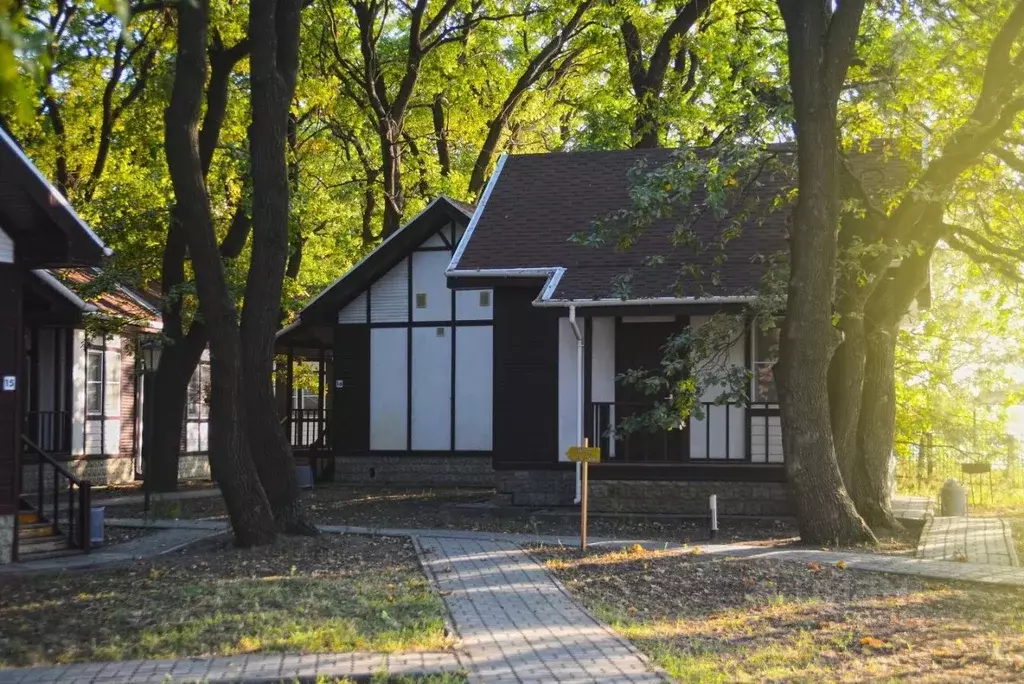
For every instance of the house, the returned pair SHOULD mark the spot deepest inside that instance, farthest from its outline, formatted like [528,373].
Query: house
[492,378]
[397,367]
[38,230]
[475,346]
[86,381]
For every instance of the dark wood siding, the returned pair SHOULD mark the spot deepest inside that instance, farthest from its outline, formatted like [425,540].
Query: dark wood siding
[350,426]
[525,382]
[10,402]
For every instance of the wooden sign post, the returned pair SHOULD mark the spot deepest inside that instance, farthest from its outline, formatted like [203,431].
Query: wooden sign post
[584,455]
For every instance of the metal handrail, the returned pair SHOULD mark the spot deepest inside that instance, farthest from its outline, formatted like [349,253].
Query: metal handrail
[77,520]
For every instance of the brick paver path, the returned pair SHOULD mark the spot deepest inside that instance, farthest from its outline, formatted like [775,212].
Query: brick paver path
[250,669]
[985,541]
[517,624]
[906,507]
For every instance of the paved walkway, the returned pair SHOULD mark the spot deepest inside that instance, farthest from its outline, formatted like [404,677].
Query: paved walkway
[517,624]
[912,508]
[250,669]
[986,541]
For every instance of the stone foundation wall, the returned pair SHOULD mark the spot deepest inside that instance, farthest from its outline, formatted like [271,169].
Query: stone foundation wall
[108,471]
[433,471]
[537,487]
[690,498]
[194,467]
[6,538]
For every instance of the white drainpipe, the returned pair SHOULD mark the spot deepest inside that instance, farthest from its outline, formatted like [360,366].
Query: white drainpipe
[579,395]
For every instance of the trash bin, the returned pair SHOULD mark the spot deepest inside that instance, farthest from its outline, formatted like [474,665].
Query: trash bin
[305,476]
[96,518]
[952,499]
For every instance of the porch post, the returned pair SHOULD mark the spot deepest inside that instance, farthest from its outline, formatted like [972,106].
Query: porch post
[290,392]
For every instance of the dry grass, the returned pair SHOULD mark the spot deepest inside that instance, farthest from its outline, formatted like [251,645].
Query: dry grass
[329,593]
[712,619]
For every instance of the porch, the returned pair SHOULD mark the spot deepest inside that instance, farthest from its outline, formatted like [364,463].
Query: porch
[302,385]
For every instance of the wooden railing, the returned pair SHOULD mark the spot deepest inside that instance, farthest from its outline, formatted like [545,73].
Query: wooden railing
[55,482]
[728,432]
[308,428]
[51,430]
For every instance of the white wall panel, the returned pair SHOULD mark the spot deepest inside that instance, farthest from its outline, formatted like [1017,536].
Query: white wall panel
[389,296]
[431,388]
[602,362]
[78,393]
[708,435]
[568,405]
[388,388]
[355,311]
[6,248]
[474,305]
[428,279]
[474,353]
[766,450]
[436,240]
[46,349]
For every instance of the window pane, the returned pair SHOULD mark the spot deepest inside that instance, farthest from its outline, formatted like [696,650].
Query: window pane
[94,366]
[766,347]
[93,398]
[204,390]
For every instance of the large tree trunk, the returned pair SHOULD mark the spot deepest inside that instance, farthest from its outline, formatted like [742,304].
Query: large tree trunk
[826,513]
[177,364]
[274,30]
[845,380]
[872,486]
[230,462]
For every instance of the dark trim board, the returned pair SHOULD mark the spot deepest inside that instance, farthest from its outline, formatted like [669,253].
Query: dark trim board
[443,323]
[413,454]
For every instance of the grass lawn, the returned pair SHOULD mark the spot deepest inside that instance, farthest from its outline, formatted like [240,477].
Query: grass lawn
[463,508]
[713,619]
[329,593]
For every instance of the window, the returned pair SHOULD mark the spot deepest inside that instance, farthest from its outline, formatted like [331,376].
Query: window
[766,353]
[485,298]
[102,382]
[94,382]
[198,402]
[421,300]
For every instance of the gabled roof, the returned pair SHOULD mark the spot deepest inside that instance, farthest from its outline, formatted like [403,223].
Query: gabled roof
[27,198]
[118,302]
[535,203]
[324,307]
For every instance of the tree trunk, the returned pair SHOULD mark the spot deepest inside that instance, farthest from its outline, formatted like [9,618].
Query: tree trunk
[845,380]
[274,30]
[872,487]
[230,461]
[177,364]
[391,168]
[826,513]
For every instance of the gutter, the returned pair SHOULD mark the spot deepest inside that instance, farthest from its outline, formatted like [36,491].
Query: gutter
[579,397]
[64,291]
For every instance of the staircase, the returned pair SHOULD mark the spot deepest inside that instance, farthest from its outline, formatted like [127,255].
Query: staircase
[38,539]
[53,519]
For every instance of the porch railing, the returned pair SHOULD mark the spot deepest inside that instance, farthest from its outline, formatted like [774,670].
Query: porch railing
[308,428]
[60,498]
[51,430]
[732,432]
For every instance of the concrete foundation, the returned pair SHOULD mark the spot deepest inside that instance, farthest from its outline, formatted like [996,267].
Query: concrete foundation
[413,470]
[690,498]
[6,538]
[536,488]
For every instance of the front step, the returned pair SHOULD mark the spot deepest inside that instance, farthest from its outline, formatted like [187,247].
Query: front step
[39,538]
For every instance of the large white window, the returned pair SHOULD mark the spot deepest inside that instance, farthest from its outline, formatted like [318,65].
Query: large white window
[102,382]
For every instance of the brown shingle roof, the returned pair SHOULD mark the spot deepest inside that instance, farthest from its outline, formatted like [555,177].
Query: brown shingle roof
[117,301]
[538,202]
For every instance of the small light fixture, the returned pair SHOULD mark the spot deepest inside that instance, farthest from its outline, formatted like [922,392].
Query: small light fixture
[421,300]
[485,298]
[151,352]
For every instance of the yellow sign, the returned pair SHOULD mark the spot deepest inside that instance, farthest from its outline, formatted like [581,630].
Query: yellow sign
[584,454]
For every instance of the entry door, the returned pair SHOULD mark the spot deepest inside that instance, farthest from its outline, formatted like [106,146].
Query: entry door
[638,345]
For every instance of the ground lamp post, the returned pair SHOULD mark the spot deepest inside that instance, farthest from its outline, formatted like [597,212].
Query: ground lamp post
[150,351]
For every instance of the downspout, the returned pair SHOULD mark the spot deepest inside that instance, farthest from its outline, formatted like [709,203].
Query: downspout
[579,395]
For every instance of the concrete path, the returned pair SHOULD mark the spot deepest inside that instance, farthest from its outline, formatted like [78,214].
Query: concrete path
[517,624]
[156,544]
[912,508]
[985,541]
[251,669]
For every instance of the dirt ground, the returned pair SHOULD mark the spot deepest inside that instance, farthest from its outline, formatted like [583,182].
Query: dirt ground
[714,619]
[327,593]
[466,509]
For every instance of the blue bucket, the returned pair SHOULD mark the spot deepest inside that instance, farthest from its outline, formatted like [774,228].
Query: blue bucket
[96,518]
